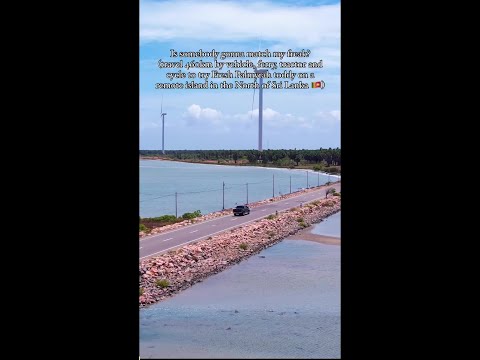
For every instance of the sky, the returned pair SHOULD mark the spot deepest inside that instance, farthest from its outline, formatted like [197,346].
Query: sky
[228,118]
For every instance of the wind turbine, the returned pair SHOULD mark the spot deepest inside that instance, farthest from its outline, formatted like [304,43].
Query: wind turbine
[163,127]
[260,106]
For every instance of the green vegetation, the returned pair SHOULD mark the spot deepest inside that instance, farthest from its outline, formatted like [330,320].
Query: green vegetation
[189,216]
[162,283]
[300,219]
[147,224]
[141,291]
[270,217]
[243,246]
[303,225]
[316,202]
[327,160]
[321,166]
[332,169]
[164,218]
[336,194]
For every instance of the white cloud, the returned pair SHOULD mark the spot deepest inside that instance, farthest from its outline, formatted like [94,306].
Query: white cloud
[205,117]
[327,118]
[195,112]
[231,21]
[197,115]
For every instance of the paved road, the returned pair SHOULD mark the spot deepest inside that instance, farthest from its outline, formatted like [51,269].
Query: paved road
[157,244]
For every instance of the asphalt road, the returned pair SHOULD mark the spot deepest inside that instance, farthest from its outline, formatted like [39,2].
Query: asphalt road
[159,243]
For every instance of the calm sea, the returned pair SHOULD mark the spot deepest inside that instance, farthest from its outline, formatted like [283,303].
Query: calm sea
[285,305]
[200,186]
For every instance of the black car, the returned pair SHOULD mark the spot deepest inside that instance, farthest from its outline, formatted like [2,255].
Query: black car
[241,210]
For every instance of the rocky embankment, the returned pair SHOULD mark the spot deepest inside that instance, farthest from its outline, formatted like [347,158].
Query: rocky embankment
[169,273]
[216,214]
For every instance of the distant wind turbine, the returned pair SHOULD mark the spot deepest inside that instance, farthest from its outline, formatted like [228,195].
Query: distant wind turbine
[163,127]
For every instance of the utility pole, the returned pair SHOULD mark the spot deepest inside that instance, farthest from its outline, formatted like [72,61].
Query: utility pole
[273,187]
[247,193]
[290,184]
[223,196]
[176,204]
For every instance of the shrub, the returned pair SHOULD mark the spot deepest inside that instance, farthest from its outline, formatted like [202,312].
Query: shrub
[294,209]
[271,217]
[189,216]
[243,246]
[332,169]
[300,219]
[316,202]
[141,291]
[336,194]
[164,218]
[303,225]
[143,227]
[162,283]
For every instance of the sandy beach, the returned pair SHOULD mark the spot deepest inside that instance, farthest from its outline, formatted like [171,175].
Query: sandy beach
[306,234]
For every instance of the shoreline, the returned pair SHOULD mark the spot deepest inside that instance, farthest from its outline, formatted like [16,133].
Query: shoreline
[309,236]
[167,274]
[239,165]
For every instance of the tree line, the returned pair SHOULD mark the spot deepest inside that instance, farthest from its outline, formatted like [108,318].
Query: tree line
[288,158]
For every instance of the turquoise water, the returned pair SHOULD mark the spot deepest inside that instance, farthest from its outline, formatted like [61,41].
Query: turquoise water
[328,227]
[199,186]
[285,305]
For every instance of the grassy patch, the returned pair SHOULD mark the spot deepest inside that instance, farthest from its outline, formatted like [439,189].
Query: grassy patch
[243,246]
[316,202]
[159,221]
[163,283]
[270,217]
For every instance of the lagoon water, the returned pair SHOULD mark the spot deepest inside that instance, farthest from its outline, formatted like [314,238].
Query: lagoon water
[285,305]
[200,186]
[329,226]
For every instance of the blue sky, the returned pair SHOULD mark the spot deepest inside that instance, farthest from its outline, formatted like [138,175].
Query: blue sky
[223,119]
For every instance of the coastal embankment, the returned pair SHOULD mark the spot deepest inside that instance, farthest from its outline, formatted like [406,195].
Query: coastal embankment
[167,274]
[216,214]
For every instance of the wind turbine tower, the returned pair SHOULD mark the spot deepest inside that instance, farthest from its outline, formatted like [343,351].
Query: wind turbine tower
[260,107]
[163,127]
